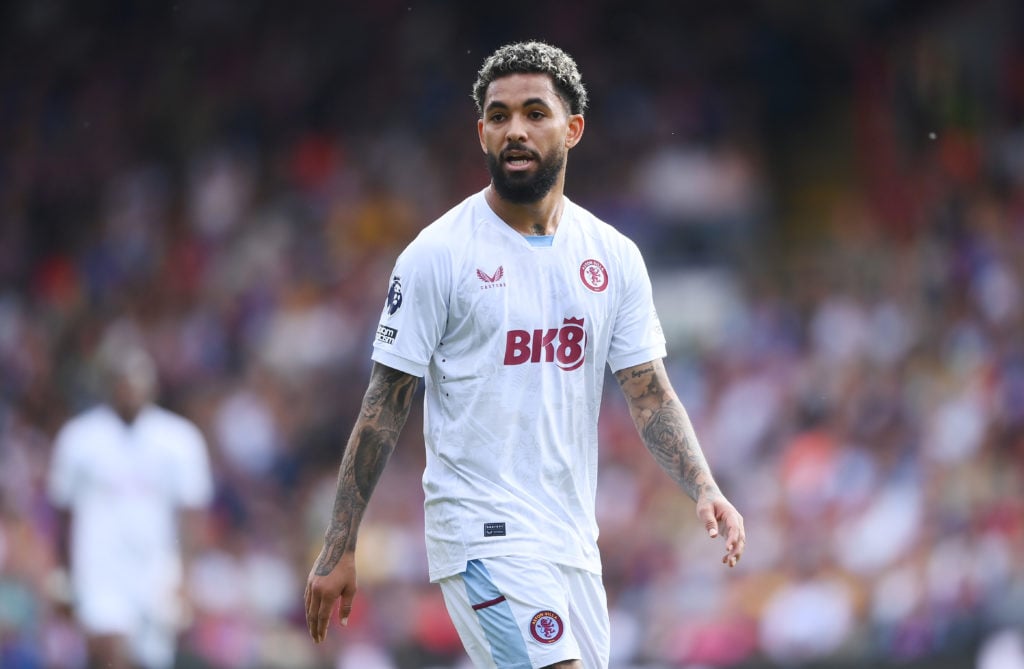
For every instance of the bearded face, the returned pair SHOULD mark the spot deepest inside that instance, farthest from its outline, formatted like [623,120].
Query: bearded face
[525,186]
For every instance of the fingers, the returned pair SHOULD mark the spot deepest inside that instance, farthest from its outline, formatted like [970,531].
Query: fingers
[319,605]
[312,611]
[306,595]
[346,608]
[735,540]
[324,592]
[318,612]
[322,618]
[719,516]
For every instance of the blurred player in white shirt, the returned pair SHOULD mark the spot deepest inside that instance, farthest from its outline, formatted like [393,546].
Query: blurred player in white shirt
[131,480]
[510,306]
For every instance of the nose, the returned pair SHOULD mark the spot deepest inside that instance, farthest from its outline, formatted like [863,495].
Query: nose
[516,131]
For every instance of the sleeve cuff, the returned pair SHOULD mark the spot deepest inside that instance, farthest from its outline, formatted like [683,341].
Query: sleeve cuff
[401,364]
[636,358]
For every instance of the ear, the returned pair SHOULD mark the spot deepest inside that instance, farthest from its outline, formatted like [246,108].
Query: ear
[480,133]
[574,133]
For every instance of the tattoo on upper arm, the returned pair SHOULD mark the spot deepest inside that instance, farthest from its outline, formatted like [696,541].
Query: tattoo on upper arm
[388,389]
[626,375]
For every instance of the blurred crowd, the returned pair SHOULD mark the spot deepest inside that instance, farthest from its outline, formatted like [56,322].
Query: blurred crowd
[831,202]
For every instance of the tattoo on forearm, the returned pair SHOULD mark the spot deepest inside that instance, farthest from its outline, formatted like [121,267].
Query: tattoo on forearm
[384,412]
[372,455]
[666,430]
[669,437]
[341,535]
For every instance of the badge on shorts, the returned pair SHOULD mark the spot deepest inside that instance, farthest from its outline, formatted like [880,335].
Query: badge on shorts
[546,627]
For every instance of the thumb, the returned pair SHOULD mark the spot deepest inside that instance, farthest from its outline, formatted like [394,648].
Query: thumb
[345,609]
[707,515]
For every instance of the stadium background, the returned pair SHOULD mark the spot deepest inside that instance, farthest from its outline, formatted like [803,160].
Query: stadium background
[831,199]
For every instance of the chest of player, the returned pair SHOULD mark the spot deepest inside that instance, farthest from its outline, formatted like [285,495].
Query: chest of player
[534,304]
[129,462]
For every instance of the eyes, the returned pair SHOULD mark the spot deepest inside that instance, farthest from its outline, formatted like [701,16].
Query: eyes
[502,116]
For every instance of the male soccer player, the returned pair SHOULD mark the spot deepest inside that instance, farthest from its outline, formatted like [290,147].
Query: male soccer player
[509,306]
[131,479]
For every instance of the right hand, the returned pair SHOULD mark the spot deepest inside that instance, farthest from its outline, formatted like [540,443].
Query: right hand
[324,588]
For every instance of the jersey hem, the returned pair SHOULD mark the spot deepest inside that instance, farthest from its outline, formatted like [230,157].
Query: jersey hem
[447,571]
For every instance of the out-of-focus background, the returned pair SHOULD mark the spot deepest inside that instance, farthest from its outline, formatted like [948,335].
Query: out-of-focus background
[830,197]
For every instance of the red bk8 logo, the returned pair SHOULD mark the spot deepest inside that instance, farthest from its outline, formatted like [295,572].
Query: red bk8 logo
[564,346]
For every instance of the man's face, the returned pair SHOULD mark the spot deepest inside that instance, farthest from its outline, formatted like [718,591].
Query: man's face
[525,133]
[132,383]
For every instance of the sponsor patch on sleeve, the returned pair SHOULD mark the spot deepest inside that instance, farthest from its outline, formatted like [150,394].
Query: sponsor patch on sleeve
[386,335]
[394,301]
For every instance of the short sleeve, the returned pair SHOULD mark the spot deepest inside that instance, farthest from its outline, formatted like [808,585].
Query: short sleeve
[61,476]
[195,481]
[415,311]
[637,336]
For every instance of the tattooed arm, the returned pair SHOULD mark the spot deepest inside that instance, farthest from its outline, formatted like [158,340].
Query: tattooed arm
[667,432]
[384,411]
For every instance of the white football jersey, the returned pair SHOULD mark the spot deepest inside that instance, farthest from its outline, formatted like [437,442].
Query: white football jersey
[124,485]
[512,340]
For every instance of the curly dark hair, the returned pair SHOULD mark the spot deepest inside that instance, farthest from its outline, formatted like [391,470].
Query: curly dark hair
[529,58]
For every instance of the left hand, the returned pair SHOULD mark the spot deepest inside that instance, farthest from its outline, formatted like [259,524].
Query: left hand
[717,514]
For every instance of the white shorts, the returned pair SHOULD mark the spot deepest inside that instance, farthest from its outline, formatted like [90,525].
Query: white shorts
[524,613]
[150,633]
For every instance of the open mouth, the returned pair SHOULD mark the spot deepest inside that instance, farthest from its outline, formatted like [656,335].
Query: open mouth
[518,159]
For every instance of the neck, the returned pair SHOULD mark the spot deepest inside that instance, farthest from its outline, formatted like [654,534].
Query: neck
[127,414]
[536,218]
